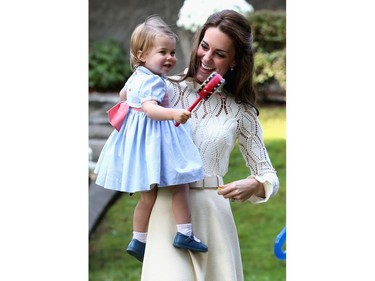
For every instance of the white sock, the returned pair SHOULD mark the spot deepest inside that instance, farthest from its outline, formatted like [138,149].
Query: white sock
[140,236]
[186,229]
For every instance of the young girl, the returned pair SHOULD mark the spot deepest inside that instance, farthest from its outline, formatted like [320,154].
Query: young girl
[147,151]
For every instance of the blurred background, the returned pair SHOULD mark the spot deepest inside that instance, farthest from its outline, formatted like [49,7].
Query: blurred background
[111,23]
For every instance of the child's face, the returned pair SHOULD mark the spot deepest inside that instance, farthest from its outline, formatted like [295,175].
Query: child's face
[160,59]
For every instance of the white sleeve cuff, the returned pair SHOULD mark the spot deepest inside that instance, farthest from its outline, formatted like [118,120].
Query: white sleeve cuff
[271,185]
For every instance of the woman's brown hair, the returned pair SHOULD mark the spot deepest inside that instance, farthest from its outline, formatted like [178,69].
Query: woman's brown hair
[239,81]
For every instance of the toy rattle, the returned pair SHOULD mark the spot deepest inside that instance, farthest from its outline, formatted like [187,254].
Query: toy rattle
[208,87]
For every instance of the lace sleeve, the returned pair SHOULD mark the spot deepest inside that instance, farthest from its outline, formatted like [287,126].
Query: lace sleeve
[251,144]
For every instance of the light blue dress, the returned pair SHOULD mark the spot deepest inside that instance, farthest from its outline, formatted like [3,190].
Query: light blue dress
[147,152]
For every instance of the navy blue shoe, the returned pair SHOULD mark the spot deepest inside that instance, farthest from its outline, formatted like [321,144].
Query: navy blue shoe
[136,249]
[188,242]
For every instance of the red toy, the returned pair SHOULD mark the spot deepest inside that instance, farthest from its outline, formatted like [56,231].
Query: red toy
[208,87]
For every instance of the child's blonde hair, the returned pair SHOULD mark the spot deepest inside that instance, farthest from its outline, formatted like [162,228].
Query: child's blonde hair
[143,37]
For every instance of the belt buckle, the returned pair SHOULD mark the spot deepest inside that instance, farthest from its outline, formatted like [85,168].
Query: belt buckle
[207,182]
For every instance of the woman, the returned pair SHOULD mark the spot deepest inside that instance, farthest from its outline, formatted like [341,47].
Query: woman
[229,115]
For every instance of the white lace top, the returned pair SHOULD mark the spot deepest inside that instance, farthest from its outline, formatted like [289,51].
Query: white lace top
[216,125]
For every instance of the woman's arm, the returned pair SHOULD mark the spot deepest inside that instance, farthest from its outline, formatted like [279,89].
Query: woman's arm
[263,183]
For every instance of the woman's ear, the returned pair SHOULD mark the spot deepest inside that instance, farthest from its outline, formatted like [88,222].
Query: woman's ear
[141,56]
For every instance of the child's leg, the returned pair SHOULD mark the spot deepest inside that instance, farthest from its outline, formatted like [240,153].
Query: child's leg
[141,217]
[143,210]
[180,203]
[181,210]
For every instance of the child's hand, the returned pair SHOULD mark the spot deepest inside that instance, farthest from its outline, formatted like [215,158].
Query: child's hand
[181,115]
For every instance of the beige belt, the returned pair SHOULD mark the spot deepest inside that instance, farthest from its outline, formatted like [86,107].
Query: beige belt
[208,182]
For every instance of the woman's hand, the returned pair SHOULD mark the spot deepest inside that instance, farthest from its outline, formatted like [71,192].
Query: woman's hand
[242,189]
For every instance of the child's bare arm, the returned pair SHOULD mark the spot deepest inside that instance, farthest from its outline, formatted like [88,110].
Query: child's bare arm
[123,95]
[157,112]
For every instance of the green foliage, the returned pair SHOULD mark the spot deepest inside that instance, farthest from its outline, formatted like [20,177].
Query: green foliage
[270,68]
[108,66]
[269,42]
[257,224]
[269,29]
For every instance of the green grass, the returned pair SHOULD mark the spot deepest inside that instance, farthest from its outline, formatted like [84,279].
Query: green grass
[257,224]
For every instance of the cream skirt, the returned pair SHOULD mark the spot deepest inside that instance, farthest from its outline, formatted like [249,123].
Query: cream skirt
[213,224]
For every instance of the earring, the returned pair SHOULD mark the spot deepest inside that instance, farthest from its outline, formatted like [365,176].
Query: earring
[231,69]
